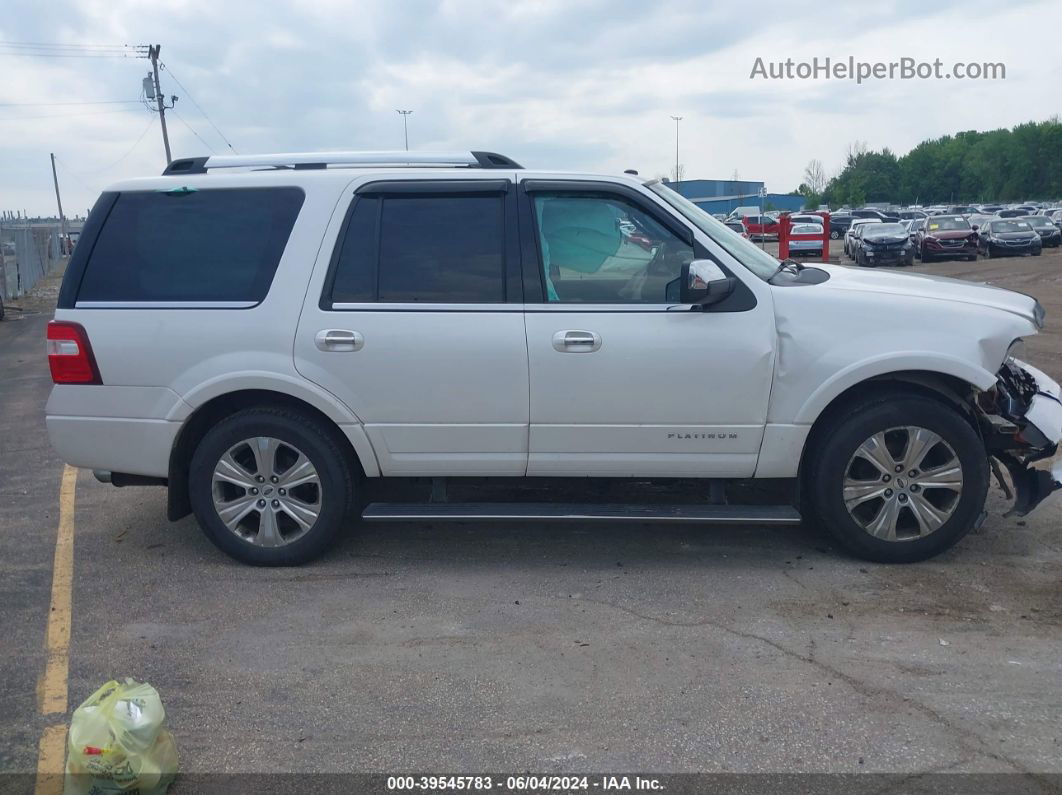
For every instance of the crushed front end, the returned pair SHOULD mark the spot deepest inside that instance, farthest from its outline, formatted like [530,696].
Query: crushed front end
[1021,423]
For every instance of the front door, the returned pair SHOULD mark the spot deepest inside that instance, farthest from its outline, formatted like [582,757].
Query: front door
[418,327]
[624,382]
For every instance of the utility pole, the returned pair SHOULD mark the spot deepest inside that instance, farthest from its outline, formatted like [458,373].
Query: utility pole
[677,120]
[405,127]
[62,218]
[153,54]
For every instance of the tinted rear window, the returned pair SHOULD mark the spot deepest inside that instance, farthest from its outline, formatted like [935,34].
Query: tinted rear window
[205,245]
[434,249]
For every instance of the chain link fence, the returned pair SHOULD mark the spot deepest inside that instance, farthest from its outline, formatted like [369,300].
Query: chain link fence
[28,253]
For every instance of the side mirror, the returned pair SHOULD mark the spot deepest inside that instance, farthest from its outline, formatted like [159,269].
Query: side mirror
[703,283]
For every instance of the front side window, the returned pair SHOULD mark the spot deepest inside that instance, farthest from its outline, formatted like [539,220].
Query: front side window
[423,249]
[603,249]
[747,253]
[186,245]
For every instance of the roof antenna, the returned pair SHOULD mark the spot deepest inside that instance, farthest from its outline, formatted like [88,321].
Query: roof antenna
[630,171]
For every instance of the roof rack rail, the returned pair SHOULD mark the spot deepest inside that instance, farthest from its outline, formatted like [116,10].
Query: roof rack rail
[313,160]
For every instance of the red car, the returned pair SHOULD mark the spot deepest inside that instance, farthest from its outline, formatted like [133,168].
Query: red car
[946,236]
[757,226]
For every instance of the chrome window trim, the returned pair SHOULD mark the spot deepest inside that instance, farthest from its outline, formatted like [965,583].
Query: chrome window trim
[165,304]
[504,307]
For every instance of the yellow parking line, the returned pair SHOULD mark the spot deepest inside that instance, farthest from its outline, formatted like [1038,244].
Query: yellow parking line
[52,691]
[50,761]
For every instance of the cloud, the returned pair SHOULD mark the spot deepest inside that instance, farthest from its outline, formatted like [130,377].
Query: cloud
[565,84]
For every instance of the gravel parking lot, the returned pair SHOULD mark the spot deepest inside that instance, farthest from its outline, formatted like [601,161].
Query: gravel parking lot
[530,647]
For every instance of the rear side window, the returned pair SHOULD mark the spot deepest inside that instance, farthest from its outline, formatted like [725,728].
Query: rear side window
[203,246]
[428,249]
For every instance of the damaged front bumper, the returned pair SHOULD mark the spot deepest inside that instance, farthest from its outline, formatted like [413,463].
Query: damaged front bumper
[1021,420]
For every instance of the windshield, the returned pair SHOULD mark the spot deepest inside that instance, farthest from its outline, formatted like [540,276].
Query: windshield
[1011,226]
[886,229]
[1040,222]
[947,224]
[755,259]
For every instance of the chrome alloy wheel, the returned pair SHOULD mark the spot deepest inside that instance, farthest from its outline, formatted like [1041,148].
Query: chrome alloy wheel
[266,491]
[903,483]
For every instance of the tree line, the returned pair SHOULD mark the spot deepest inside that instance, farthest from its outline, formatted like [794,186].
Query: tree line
[1019,164]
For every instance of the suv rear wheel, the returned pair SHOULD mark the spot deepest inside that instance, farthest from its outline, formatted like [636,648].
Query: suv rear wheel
[899,479]
[270,486]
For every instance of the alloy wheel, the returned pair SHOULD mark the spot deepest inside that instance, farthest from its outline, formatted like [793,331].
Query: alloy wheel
[902,483]
[266,491]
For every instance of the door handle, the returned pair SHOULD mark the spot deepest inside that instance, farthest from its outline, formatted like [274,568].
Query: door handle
[338,339]
[576,341]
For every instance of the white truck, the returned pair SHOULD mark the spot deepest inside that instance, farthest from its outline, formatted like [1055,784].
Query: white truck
[270,336]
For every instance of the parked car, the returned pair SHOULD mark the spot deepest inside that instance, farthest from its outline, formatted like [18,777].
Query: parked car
[271,343]
[839,223]
[805,218]
[990,209]
[962,209]
[946,236]
[740,212]
[853,229]
[910,215]
[978,219]
[736,226]
[870,212]
[883,244]
[760,226]
[1007,237]
[1050,235]
[806,247]
[914,226]
[1013,212]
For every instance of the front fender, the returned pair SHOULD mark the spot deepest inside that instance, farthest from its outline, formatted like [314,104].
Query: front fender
[886,364]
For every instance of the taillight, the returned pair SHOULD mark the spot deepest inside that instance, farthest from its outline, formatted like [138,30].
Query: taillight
[70,355]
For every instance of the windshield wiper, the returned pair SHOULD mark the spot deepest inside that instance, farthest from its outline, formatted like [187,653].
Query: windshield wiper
[786,264]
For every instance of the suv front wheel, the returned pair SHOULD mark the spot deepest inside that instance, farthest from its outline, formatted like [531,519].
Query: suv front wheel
[899,479]
[270,486]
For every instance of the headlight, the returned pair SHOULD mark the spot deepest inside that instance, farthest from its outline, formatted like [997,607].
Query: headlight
[1016,351]
[1039,315]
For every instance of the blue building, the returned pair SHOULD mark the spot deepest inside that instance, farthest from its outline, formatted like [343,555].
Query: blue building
[724,195]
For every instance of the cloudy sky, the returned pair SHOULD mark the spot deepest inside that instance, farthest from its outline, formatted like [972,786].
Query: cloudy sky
[568,84]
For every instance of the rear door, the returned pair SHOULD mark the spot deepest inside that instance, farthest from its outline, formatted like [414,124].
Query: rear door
[417,325]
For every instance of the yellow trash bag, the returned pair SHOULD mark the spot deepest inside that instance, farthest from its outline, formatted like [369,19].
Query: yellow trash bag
[117,743]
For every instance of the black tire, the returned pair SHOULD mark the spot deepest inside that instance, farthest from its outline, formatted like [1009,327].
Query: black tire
[1038,252]
[335,469]
[834,234]
[835,448]
[1,308]
[909,261]
[924,256]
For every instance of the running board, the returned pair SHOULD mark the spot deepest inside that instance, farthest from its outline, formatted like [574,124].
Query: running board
[578,512]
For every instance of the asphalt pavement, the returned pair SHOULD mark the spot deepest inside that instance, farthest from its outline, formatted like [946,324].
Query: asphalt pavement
[530,647]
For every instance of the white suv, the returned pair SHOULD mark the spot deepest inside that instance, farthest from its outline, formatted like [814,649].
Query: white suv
[270,336]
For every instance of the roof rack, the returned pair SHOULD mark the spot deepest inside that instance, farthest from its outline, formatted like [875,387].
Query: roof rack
[313,160]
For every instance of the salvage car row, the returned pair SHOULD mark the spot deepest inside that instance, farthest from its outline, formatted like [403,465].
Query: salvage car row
[868,241]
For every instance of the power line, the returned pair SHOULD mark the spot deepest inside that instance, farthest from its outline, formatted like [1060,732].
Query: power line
[68,45]
[55,104]
[23,53]
[198,107]
[65,115]
[197,135]
[95,171]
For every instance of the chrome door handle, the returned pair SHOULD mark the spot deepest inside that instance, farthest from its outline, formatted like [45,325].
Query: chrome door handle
[338,339]
[574,341]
